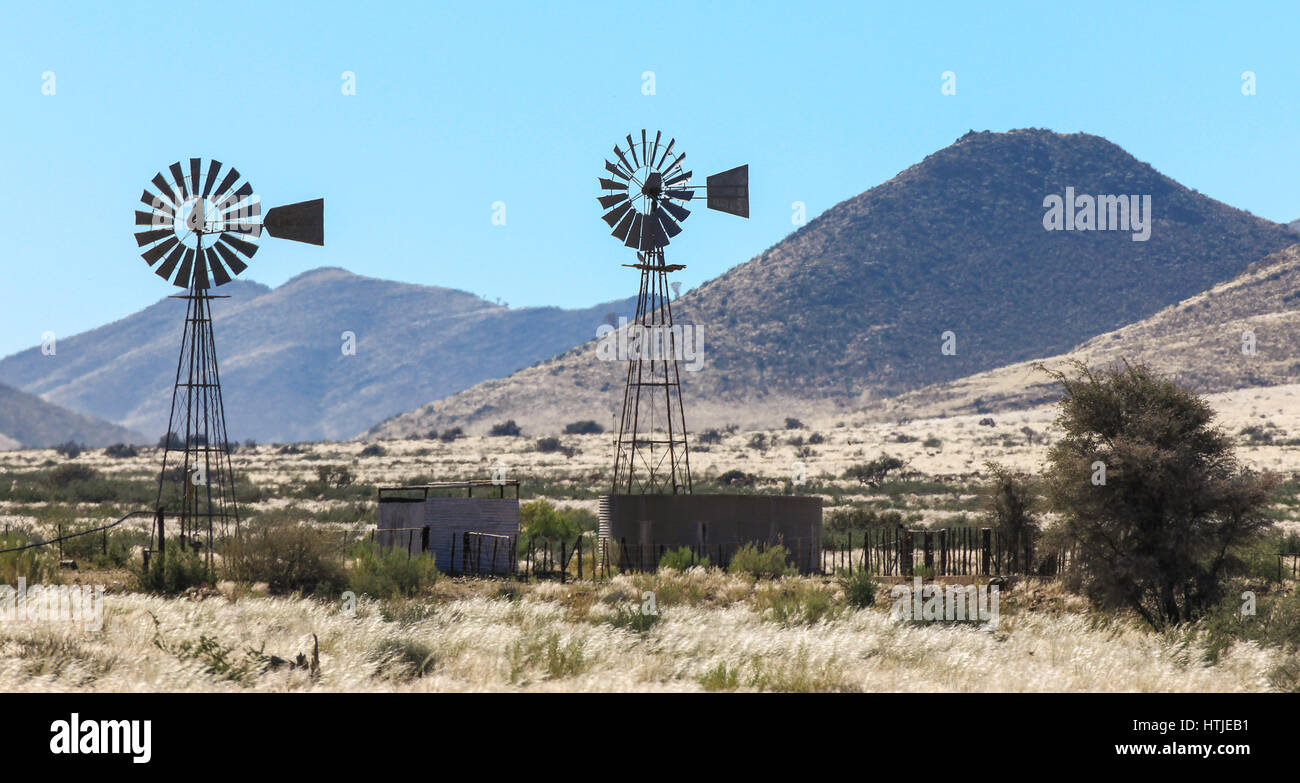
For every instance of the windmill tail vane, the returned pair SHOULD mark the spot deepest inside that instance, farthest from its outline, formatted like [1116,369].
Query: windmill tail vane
[201,226]
[645,197]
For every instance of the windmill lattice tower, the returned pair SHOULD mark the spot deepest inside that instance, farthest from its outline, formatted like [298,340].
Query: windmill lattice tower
[645,198]
[199,230]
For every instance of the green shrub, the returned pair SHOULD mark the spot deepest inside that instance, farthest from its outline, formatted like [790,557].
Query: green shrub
[452,434]
[541,519]
[791,602]
[587,427]
[737,478]
[859,588]
[70,450]
[682,558]
[631,617]
[180,570]
[720,678]
[373,450]
[404,659]
[121,451]
[390,573]
[505,429]
[761,563]
[874,472]
[36,565]
[287,556]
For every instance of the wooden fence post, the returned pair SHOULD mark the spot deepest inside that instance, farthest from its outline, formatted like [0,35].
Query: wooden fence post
[986,547]
[927,541]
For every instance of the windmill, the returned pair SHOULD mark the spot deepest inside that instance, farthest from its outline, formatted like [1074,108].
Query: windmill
[645,197]
[199,230]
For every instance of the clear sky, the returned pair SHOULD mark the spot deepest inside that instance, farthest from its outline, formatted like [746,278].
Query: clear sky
[460,105]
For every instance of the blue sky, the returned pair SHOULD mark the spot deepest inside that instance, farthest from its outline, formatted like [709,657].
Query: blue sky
[460,105]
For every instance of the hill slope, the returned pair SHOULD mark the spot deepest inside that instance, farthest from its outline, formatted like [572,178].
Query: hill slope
[27,420]
[1200,341]
[283,368]
[852,306]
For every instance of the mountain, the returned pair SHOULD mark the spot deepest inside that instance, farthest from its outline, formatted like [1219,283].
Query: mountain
[27,420]
[852,306]
[284,371]
[1294,225]
[1204,341]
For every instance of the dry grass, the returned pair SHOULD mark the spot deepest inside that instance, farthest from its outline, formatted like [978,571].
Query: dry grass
[713,634]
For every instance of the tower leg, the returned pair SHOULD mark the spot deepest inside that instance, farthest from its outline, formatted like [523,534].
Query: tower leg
[651,455]
[196,485]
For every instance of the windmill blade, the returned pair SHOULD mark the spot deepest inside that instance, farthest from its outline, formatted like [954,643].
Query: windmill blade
[623,159]
[677,162]
[150,219]
[179,179]
[644,156]
[615,170]
[187,266]
[154,202]
[245,190]
[201,270]
[684,177]
[676,210]
[670,226]
[194,174]
[634,235]
[606,202]
[660,237]
[213,168]
[165,269]
[648,226]
[227,181]
[301,222]
[682,195]
[654,151]
[625,224]
[667,151]
[729,191]
[247,248]
[219,274]
[149,237]
[631,147]
[617,214]
[241,218]
[236,265]
[624,229]
[159,250]
[612,184]
[165,189]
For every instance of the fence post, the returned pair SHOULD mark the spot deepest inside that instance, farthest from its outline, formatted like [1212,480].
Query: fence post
[162,538]
[986,545]
[464,553]
[943,552]
[579,556]
[564,562]
[909,552]
[927,541]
